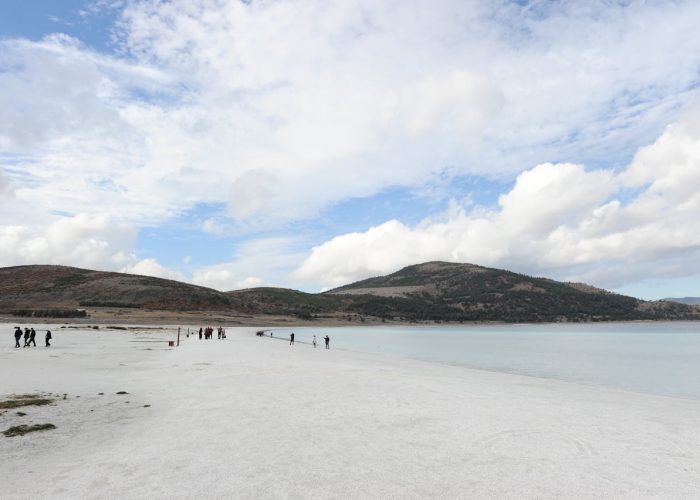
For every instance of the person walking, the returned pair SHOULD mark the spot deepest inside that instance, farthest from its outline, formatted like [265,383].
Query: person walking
[314,341]
[328,341]
[200,333]
[26,337]
[32,337]
[48,338]
[291,339]
[18,335]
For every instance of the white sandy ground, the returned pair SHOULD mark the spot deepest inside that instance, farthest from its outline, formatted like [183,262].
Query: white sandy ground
[252,417]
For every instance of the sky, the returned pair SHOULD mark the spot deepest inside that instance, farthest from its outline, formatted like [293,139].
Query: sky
[309,144]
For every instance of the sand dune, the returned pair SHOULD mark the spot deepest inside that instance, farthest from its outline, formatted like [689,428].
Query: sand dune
[256,418]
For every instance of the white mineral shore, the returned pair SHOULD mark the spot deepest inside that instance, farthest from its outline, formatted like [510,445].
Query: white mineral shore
[256,418]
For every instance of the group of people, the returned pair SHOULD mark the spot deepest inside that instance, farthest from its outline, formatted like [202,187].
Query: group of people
[208,333]
[327,339]
[30,337]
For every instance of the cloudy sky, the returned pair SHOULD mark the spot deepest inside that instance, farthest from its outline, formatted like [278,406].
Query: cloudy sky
[308,143]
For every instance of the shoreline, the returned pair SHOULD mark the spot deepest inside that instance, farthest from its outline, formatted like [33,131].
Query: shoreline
[112,317]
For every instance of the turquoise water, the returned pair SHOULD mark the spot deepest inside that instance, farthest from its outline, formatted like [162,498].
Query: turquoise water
[659,358]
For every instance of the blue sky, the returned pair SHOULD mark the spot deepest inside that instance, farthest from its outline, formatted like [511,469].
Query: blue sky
[90,22]
[308,144]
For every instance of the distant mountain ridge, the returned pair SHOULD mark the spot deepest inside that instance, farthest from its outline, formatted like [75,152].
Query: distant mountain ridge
[685,300]
[432,291]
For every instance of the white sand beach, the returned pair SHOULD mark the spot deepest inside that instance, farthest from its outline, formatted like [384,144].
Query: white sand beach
[250,417]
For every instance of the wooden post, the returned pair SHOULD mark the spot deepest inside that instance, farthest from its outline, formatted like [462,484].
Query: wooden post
[178,336]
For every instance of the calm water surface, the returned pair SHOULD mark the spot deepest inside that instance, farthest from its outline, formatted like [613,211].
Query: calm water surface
[658,358]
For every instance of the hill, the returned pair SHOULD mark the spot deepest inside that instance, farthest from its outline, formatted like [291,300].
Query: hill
[286,302]
[442,291]
[433,291]
[69,287]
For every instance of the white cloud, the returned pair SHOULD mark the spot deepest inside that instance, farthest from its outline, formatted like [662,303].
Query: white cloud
[557,220]
[280,109]
[151,267]
[221,278]
[84,240]
[265,261]
[6,191]
[91,241]
[211,226]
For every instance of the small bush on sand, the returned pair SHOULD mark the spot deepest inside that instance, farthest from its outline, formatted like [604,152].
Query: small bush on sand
[21,430]
[25,400]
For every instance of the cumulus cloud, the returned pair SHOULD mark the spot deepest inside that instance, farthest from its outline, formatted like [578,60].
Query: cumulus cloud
[558,220]
[151,267]
[84,240]
[224,279]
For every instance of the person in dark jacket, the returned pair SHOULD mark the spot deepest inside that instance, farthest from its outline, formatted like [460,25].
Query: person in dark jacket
[200,333]
[328,341]
[26,337]
[18,335]
[291,339]
[48,338]
[32,337]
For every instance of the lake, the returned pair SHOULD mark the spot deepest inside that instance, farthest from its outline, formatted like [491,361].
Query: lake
[660,358]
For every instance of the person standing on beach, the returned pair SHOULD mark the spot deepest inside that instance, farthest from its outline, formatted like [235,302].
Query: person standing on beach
[48,338]
[26,337]
[32,337]
[18,335]
[200,333]
[314,341]
[328,341]
[291,339]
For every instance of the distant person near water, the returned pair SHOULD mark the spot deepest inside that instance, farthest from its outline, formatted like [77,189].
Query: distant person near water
[328,341]
[200,333]
[48,338]
[26,337]
[314,341]
[18,335]
[291,338]
[32,337]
